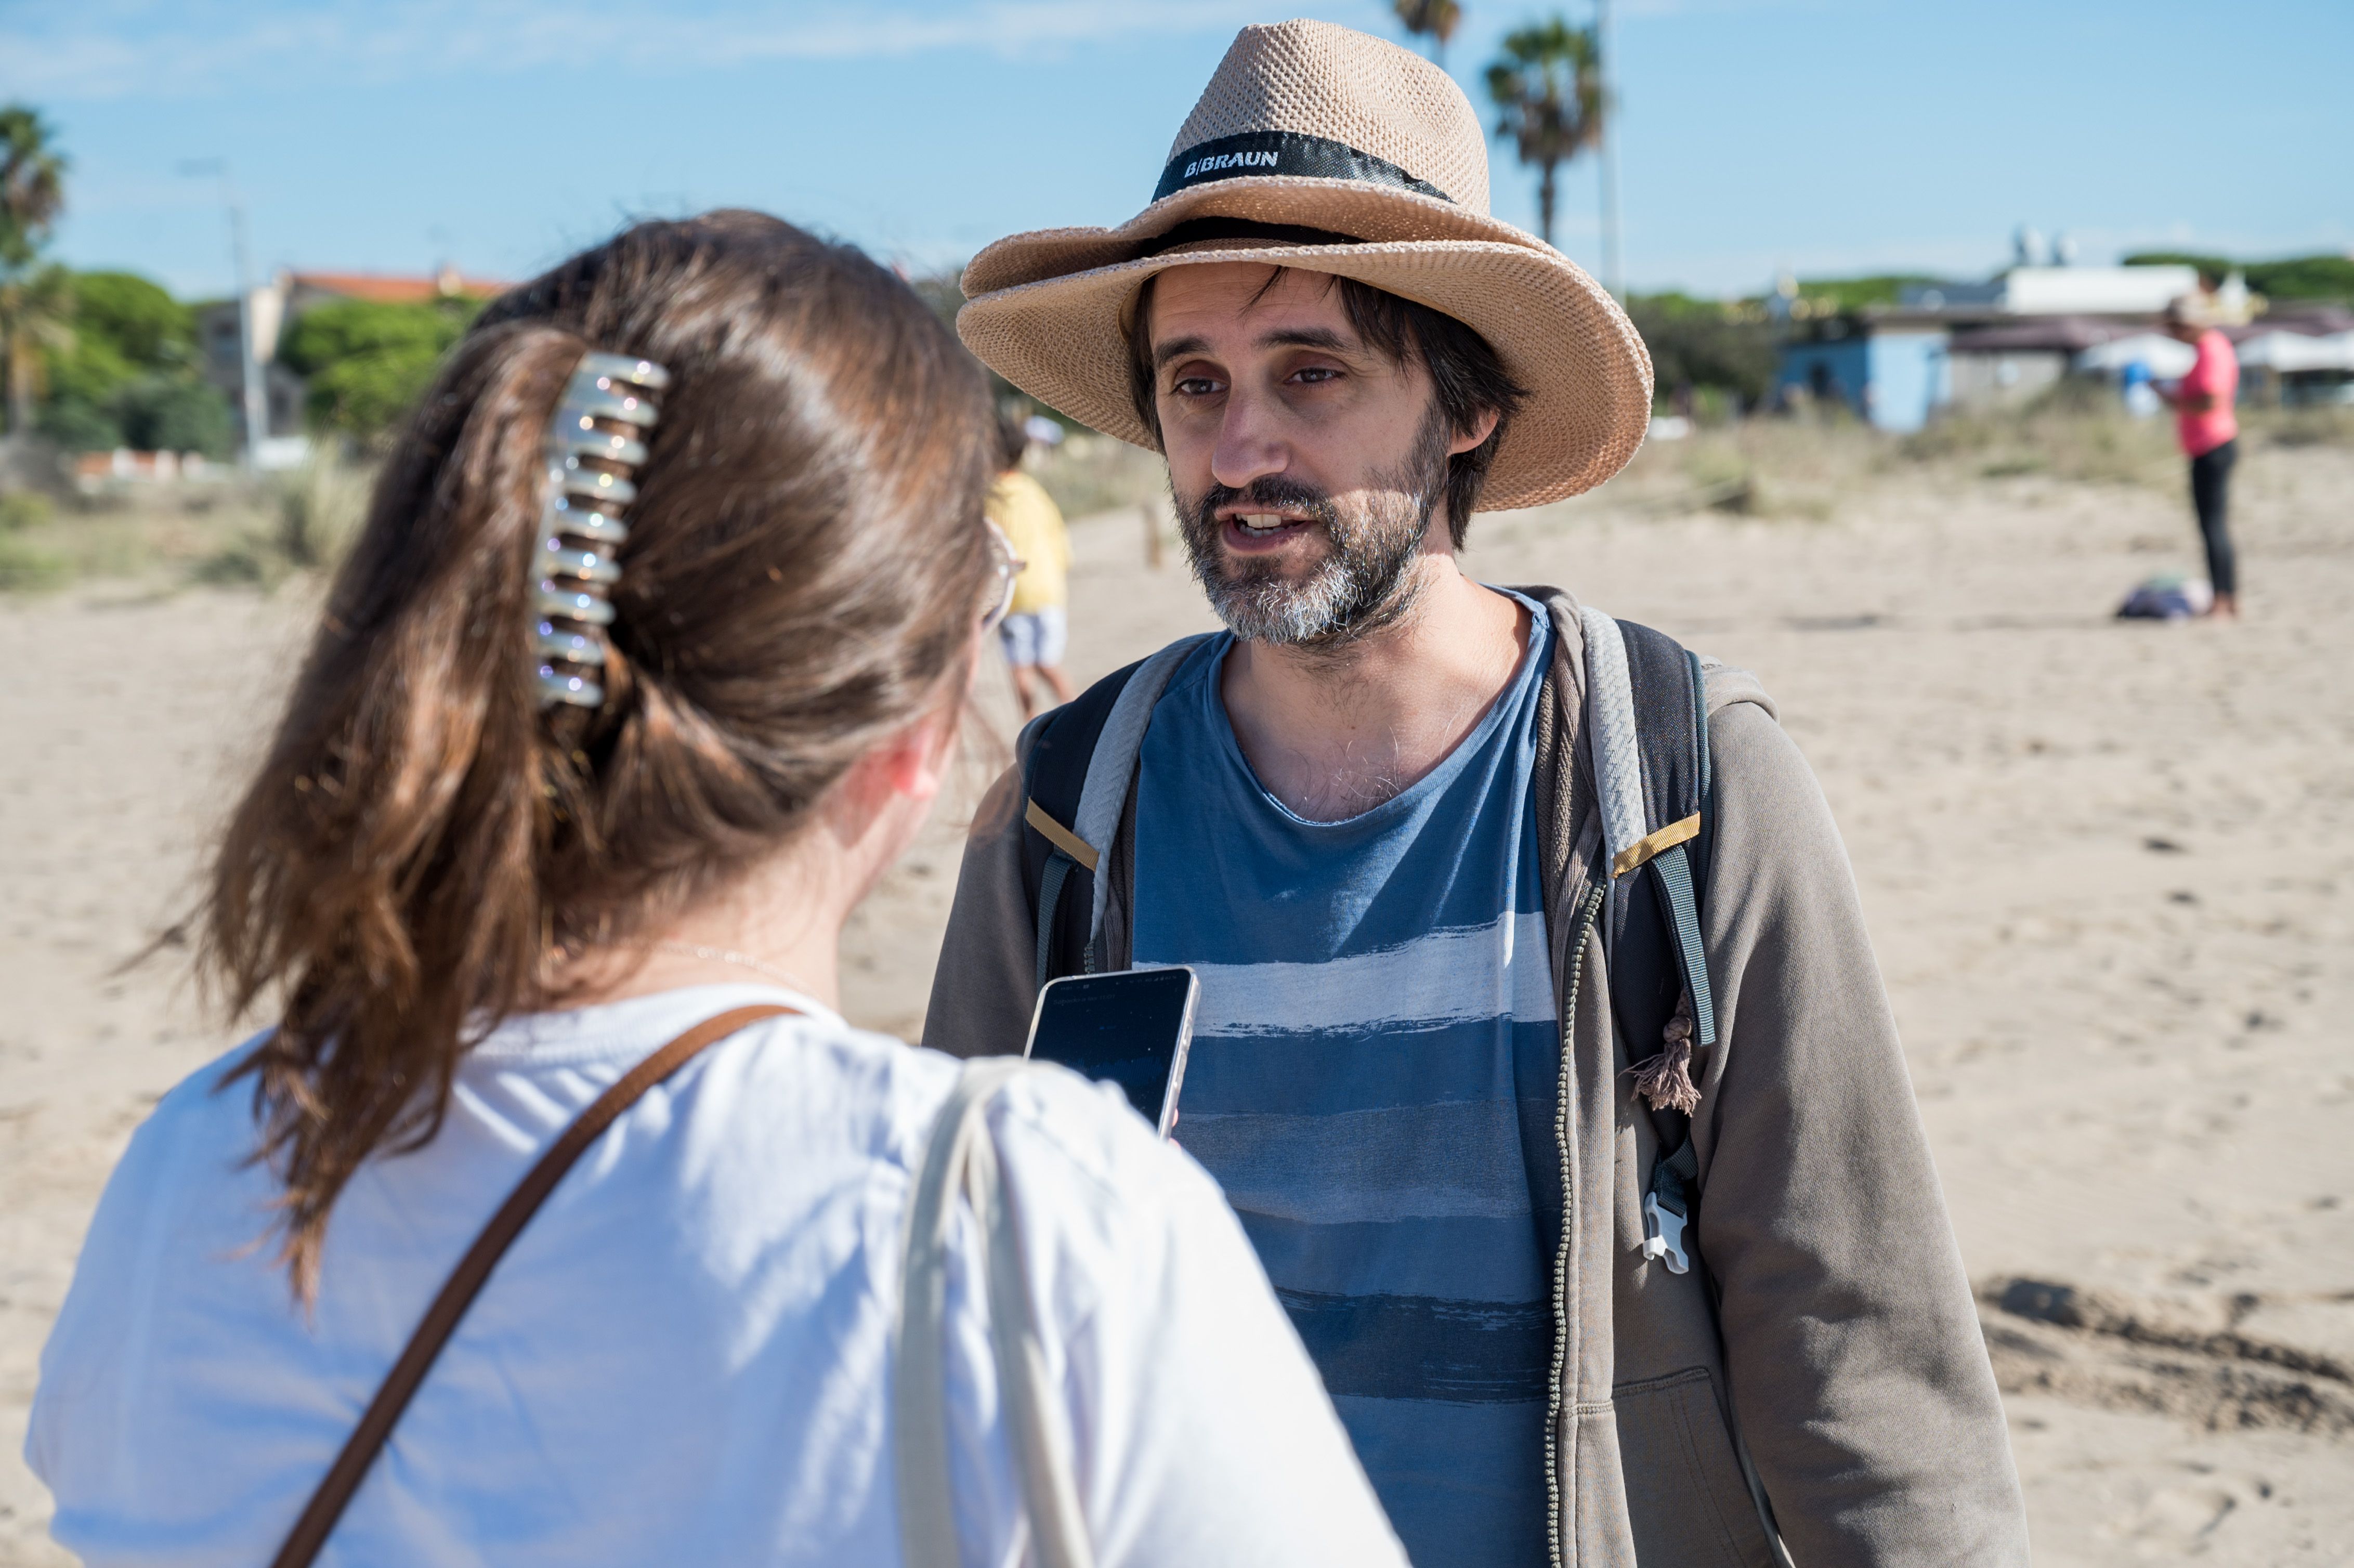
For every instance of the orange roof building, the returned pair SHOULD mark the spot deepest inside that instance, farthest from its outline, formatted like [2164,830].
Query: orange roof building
[289,295]
[383,289]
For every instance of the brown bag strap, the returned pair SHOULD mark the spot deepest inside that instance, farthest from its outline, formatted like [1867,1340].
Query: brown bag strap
[326,1506]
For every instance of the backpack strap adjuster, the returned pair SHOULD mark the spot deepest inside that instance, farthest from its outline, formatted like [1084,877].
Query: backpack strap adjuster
[1653,845]
[1061,837]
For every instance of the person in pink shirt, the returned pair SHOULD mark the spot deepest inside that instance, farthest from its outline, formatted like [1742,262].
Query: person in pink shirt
[2208,431]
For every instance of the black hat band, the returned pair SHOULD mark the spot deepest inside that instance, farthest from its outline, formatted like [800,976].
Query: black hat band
[1284,152]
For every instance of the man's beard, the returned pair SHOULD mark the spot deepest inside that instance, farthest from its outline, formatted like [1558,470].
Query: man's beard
[1366,580]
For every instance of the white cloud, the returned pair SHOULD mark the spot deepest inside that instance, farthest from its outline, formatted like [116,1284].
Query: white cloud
[102,50]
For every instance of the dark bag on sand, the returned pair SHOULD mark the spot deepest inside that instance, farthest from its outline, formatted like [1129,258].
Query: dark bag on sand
[2167,598]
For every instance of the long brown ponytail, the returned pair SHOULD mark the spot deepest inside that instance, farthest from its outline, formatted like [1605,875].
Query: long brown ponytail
[804,562]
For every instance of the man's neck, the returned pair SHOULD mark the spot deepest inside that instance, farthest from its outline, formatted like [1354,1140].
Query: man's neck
[1335,732]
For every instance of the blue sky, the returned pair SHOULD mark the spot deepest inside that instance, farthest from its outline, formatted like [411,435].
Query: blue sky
[1824,135]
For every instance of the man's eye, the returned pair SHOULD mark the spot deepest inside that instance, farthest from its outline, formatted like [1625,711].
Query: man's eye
[1195,386]
[1313,373]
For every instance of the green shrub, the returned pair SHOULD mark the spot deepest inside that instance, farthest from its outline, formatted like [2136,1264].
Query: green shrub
[24,509]
[167,412]
[126,316]
[2322,277]
[2330,425]
[320,508]
[78,424]
[1860,294]
[1702,344]
[2073,431]
[26,564]
[130,377]
[1091,473]
[368,363]
[315,514]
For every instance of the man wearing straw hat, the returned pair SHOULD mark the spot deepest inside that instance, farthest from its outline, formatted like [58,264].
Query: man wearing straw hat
[1367,815]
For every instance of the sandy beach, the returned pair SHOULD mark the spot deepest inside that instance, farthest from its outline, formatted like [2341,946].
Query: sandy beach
[2107,868]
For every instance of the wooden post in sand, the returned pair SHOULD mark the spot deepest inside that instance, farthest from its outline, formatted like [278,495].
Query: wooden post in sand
[1151,512]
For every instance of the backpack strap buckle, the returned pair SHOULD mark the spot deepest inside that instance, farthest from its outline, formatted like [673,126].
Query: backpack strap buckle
[1667,1207]
[1663,1234]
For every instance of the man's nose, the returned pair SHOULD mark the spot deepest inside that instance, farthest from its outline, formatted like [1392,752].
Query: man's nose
[1250,445]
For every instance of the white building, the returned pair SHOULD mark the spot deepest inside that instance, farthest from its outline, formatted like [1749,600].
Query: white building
[2093,291]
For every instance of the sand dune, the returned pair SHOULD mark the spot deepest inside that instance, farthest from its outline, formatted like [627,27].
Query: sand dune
[2106,867]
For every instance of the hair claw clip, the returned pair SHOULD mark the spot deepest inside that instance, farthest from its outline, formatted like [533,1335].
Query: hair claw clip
[596,443]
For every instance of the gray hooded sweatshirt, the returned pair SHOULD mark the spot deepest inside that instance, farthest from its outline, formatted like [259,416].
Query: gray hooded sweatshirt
[1820,1371]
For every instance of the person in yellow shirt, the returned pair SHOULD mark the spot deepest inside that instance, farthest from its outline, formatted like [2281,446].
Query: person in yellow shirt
[1035,628]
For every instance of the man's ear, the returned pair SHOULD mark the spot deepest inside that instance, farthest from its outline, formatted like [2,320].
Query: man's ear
[1483,426]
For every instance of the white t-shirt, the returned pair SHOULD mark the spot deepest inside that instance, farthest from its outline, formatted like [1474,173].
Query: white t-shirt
[685,1357]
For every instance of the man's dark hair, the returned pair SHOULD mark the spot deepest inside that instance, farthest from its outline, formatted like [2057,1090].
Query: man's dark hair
[1467,377]
[1013,441]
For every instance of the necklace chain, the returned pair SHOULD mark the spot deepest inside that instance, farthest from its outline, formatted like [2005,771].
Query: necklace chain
[741,960]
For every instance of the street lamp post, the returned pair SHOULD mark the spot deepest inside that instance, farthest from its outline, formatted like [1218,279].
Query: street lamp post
[256,396]
[1613,278]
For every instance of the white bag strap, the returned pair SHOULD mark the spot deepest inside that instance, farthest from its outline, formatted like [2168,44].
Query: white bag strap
[961,1157]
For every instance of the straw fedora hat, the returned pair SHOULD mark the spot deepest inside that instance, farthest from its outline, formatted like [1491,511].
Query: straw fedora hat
[1321,148]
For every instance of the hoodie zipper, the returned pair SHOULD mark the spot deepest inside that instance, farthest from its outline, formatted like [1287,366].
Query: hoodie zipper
[1581,927]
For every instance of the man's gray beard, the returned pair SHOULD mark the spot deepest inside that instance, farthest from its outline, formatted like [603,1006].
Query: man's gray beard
[1367,579]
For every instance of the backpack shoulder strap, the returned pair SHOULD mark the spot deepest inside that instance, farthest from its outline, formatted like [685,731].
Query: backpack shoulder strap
[1081,762]
[1647,710]
[1054,778]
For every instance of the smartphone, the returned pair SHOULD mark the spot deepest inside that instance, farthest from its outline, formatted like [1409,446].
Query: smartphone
[1131,1028]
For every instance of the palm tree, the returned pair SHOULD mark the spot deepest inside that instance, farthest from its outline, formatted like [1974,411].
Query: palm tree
[1438,19]
[32,185]
[35,305]
[36,314]
[1547,87]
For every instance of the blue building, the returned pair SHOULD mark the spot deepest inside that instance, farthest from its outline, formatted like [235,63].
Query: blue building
[1962,343]
[1890,374]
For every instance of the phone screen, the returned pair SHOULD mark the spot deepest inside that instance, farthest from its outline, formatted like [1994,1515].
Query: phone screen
[1131,1028]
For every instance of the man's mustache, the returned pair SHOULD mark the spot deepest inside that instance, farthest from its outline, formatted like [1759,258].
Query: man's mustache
[1272,493]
